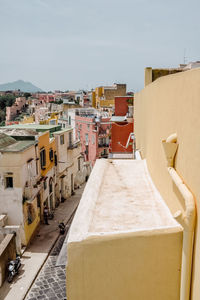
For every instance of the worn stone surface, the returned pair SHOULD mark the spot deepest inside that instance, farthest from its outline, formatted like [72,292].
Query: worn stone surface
[51,281]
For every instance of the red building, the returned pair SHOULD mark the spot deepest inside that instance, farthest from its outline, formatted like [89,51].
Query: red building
[93,131]
[122,128]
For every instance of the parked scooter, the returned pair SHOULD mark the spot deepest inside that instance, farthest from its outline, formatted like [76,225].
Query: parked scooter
[62,227]
[51,215]
[13,268]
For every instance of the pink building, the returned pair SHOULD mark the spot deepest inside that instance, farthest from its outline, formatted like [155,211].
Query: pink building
[93,132]
[47,97]
[15,109]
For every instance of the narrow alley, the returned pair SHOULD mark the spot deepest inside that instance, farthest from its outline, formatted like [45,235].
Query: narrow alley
[39,258]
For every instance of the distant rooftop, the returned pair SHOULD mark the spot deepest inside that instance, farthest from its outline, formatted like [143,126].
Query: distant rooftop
[18,132]
[9,144]
[36,127]
[63,130]
[31,126]
[118,119]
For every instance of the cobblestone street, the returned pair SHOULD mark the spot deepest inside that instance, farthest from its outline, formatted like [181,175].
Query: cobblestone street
[51,281]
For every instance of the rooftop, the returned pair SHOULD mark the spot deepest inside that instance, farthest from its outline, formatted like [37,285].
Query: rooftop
[18,132]
[31,126]
[6,140]
[64,130]
[118,119]
[9,144]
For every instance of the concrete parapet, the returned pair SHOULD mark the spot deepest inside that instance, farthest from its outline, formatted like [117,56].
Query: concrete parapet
[7,252]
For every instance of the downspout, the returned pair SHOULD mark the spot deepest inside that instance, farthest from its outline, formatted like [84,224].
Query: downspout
[186,218]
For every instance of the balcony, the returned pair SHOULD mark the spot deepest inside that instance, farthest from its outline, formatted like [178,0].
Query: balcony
[31,189]
[103,145]
[73,145]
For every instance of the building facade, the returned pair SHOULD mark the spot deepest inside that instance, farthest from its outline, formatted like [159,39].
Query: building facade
[105,95]
[92,130]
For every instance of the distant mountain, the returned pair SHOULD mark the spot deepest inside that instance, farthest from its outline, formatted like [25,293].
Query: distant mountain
[21,85]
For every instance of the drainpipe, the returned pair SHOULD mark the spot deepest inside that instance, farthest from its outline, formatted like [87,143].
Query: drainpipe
[186,218]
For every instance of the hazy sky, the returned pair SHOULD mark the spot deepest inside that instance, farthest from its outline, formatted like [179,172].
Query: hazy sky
[72,44]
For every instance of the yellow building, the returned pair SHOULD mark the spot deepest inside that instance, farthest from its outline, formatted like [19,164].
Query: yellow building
[105,95]
[27,120]
[167,127]
[47,149]
[51,120]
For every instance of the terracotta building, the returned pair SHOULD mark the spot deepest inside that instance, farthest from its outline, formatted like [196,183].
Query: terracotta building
[121,145]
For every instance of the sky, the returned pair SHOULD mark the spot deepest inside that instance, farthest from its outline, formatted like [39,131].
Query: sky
[81,44]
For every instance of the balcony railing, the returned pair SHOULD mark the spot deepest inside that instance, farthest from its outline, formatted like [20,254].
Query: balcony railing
[74,145]
[103,145]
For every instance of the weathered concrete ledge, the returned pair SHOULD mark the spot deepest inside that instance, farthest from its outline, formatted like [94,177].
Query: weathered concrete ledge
[123,238]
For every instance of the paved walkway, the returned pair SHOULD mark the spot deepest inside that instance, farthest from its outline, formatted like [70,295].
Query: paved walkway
[38,251]
[51,281]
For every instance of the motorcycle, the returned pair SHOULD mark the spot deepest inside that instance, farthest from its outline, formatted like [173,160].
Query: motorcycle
[62,227]
[51,215]
[13,268]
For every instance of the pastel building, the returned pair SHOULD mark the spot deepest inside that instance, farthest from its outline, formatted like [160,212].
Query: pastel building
[19,184]
[92,129]
[15,109]
[46,97]
[105,95]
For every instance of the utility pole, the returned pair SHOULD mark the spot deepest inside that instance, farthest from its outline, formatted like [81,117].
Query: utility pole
[184,56]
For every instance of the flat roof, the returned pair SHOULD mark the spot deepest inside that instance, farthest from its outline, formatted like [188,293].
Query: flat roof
[118,118]
[62,131]
[19,146]
[31,126]
[120,197]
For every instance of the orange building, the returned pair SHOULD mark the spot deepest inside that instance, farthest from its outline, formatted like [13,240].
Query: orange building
[121,145]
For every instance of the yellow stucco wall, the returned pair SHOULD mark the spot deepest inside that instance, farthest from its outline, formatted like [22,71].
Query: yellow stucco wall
[47,144]
[116,267]
[48,121]
[108,94]
[30,210]
[107,103]
[168,105]
[28,120]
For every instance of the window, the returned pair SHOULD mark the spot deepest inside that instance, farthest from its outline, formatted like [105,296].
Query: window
[86,138]
[70,139]
[45,185]
[69,120]
[50,185]
[9,182]
[79,136]
[43,158]
[55,159]
[88,126]
[62,141]
[51,154]
[80,126]
[93,139]
[79,164]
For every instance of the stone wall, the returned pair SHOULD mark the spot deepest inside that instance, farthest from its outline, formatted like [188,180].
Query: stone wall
[7,252]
